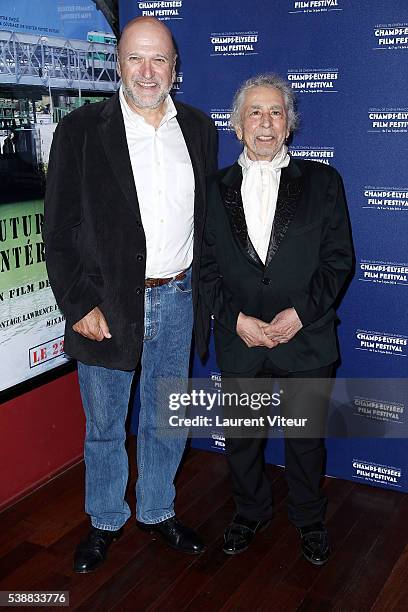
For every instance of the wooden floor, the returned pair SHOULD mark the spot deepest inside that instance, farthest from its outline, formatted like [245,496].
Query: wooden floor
[368,569]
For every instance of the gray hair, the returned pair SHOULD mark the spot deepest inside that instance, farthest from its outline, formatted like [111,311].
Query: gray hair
[266,80]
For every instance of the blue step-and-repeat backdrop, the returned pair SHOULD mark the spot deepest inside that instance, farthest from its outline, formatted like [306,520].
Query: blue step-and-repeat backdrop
[347,61]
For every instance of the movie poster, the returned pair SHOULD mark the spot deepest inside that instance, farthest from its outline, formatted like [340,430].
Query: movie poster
[54,57]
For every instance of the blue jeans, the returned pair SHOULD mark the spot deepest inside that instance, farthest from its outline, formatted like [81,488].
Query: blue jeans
[105,397]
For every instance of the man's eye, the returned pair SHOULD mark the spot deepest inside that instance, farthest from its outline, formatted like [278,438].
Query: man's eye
[160,60]
[134,58]
[255,113]
[276,113]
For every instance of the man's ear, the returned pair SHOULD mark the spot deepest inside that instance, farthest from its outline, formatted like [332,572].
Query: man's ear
[118,70]
[238,132]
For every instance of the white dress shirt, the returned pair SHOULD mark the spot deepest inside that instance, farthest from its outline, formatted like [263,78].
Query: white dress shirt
[164,182]
[259,190]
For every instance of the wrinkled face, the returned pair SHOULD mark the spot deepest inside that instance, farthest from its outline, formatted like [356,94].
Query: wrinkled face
[146,64]
[264,125]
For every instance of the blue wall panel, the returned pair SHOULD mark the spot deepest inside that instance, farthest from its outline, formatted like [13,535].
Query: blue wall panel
[348,63]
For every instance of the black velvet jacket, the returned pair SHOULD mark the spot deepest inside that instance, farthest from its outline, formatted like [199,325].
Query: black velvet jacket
[309,258]
[95,242]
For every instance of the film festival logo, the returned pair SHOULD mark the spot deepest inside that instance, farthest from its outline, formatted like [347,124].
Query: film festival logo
[388,120]
[221,118]
[378,410]
[164,10]
[217,436]
[384,273]
[234,43]
[217,441]
[178,84]
[392,37]
[324,155]
[215,378]
[376,473]
[384,343]
[304,80]
[392,199]
[315,6]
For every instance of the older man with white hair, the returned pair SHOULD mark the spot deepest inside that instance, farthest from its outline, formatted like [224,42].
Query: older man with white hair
[277,252]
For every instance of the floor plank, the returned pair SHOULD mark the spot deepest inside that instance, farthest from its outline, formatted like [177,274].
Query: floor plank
[367,572]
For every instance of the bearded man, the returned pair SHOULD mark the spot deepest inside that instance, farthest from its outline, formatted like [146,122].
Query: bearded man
[124,217]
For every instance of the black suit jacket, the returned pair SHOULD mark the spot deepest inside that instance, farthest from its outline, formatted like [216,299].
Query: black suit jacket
[309,258]
[95,242]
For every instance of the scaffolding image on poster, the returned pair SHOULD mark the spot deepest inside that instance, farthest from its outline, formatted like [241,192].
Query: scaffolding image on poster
[54,57]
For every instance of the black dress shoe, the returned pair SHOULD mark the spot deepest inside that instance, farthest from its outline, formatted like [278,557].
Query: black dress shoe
[315,543]
[240,533]
[91,552]
[176,535]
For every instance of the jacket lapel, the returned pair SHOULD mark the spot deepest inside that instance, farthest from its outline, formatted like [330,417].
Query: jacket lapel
[230,188]
[113,136]
[192,138]
[290,188]
[193,142]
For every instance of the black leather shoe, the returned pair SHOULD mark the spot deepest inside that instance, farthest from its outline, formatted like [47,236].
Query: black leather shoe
[315,543]
[240,533]
[91,552]
[176,535]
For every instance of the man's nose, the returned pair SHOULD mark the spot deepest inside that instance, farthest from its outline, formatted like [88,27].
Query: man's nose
[147,69]
[266,119]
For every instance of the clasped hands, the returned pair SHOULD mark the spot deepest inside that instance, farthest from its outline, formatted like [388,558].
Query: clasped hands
[280,330]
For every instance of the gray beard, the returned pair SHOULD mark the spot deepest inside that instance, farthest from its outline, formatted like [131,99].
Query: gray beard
[142,103]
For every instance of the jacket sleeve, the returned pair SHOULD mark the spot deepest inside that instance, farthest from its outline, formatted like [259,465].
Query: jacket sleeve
[335,258]
[217,299]
[74,291]
[211,149]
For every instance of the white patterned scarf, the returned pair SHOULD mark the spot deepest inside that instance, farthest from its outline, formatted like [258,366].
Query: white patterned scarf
[259,190]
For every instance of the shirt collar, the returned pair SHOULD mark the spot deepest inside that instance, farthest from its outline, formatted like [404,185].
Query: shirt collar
[130,115]
[281,160]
